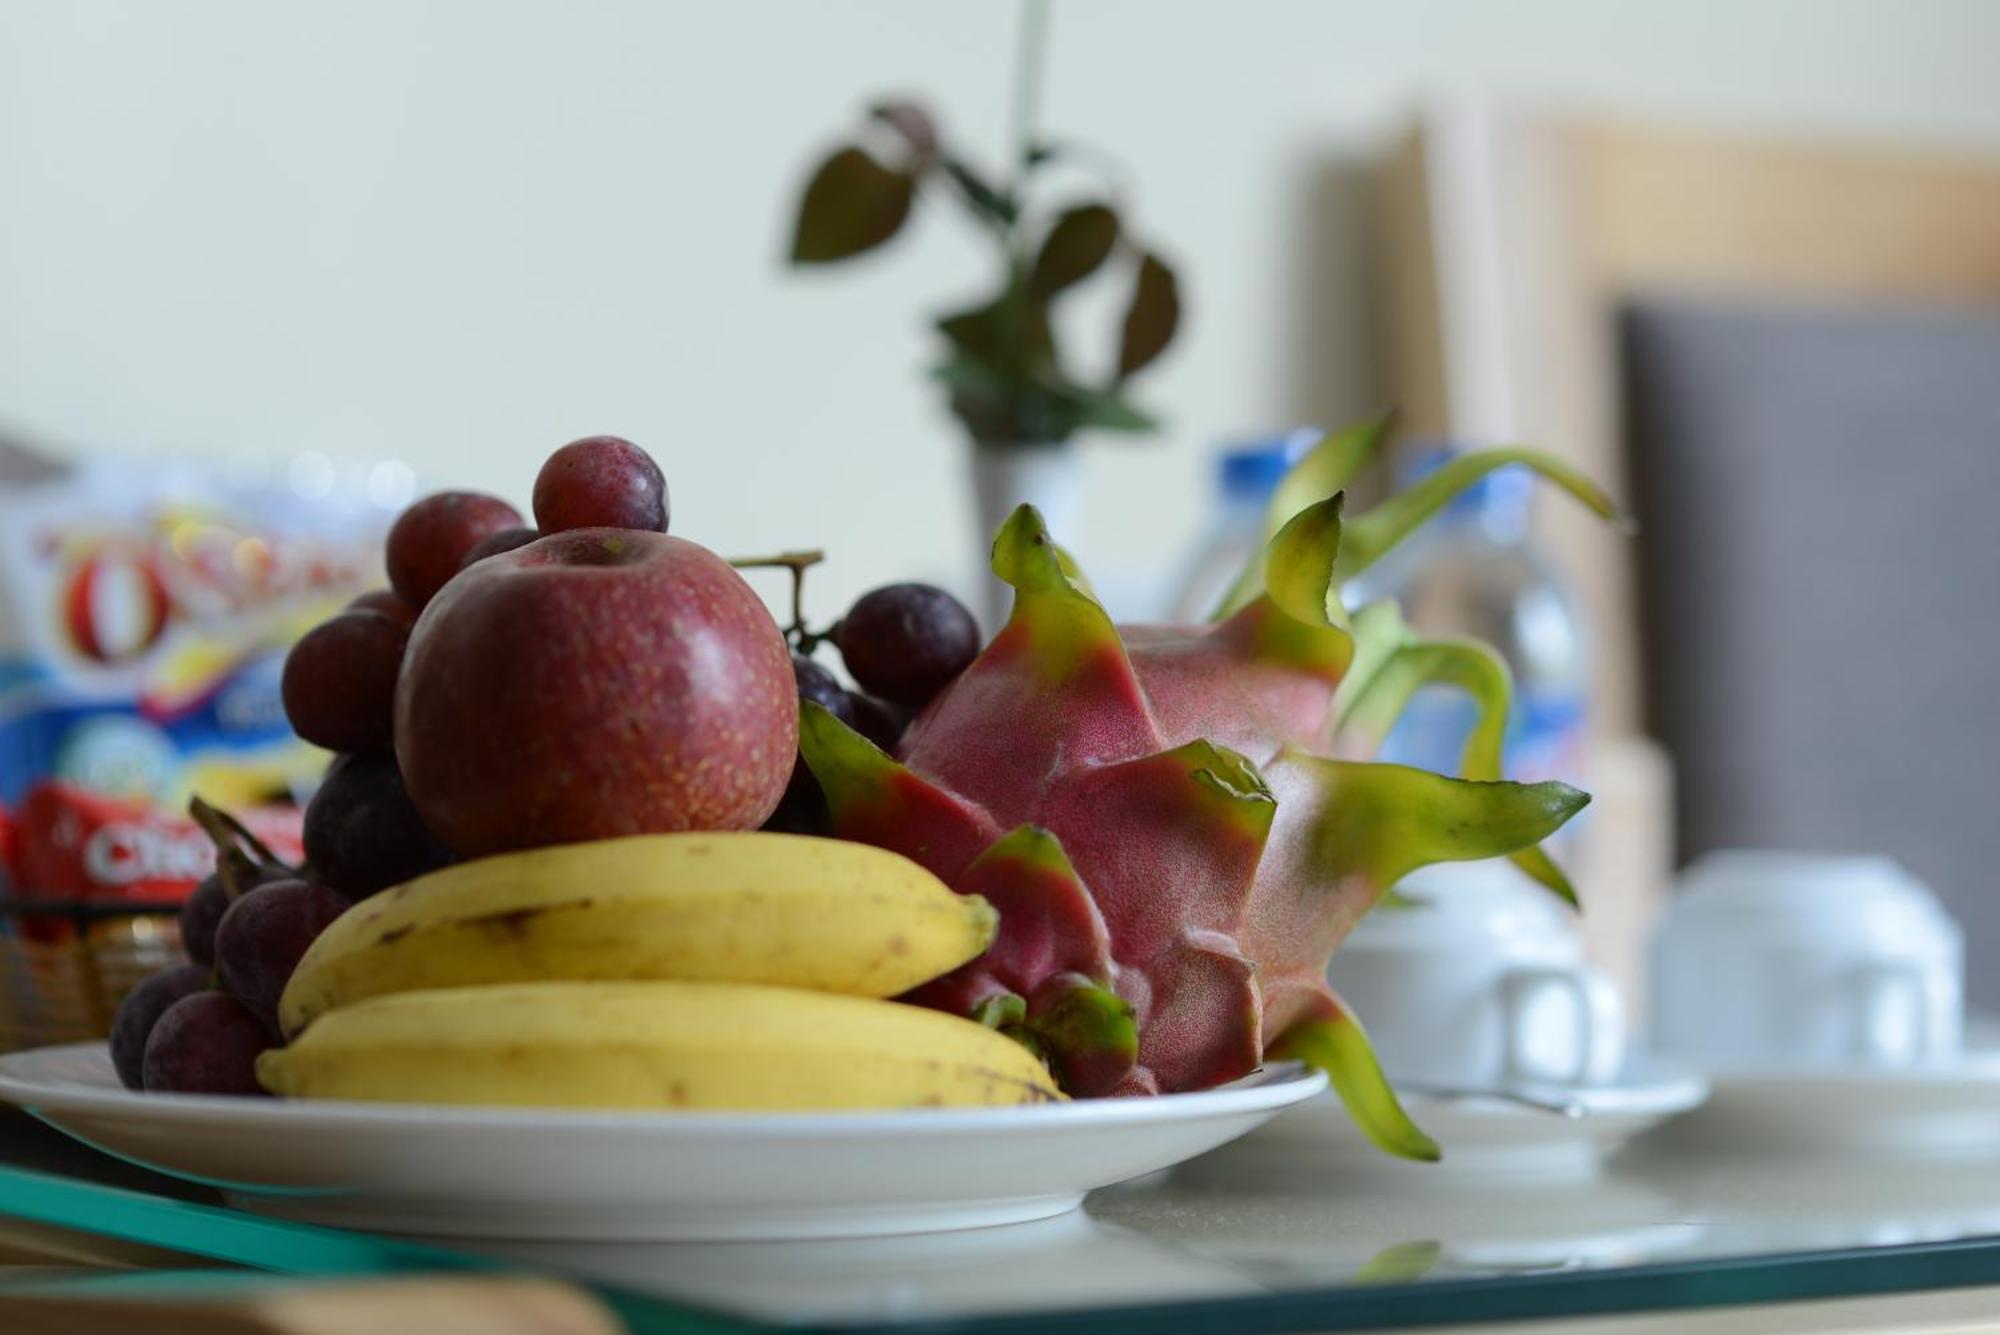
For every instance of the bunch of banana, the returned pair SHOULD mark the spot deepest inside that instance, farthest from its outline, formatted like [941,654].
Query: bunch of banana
[699,971]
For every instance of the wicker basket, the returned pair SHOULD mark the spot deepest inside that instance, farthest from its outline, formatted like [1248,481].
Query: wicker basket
[64,967]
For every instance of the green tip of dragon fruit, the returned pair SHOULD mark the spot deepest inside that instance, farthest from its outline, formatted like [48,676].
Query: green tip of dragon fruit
[1178,825]
[1086,1032]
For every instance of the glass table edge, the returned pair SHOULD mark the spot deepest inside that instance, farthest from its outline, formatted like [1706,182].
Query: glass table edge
[230,1235]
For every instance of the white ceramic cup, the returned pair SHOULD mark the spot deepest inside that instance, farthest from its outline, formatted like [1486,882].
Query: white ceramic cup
[1773,961]
[1480,983]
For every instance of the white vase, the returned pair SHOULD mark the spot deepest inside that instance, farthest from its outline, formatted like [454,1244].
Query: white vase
[1048,477]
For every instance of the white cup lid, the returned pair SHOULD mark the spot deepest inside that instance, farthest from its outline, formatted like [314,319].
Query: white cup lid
[1769,885]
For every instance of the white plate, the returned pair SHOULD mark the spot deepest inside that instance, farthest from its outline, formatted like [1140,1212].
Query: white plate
[1943,1111]
[1480,1135]
[528,1173]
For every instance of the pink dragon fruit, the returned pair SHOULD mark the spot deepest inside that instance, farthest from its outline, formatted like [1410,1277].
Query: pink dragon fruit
[1178,824]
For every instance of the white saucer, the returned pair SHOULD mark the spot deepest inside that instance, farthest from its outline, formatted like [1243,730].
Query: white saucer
[1544,1131]
[530,1173]
[1945,1110]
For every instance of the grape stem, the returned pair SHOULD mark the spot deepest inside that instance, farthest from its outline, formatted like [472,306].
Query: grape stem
[224,830]
[800,638]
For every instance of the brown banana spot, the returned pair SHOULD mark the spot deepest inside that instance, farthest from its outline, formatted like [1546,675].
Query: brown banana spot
[514,922]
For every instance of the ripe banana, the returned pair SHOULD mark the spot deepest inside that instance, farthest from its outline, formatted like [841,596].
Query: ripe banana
[746,908]
[706,1046]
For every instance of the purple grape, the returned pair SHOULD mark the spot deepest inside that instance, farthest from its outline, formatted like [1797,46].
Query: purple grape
[428,542]
[819,686]
[905,642]
[141,1010]
[339,682]
[506,540]
[203,910]
[205,1043]
[362,834]
[802,810]
[387,603]
[600,482]
[877,720]
[263,936]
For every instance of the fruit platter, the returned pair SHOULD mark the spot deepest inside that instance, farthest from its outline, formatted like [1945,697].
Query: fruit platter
[622,915]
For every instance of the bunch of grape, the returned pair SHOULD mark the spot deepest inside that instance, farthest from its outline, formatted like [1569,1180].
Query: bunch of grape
[902,644]
[198,1028]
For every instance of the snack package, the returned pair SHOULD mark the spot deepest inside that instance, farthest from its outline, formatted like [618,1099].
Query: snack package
[78,846]
[7,875]
[145,611]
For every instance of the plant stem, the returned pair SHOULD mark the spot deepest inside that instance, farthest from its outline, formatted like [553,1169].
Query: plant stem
[1031,51]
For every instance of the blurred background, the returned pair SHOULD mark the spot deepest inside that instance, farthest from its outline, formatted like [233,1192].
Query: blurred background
[1740,260]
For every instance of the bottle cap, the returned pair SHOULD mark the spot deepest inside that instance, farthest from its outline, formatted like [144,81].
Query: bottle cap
[1250,470]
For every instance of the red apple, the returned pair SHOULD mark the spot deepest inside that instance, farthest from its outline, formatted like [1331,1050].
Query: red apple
[595,683]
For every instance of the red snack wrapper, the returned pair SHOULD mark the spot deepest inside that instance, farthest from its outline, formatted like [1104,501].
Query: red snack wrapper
[72,844]
[7,878]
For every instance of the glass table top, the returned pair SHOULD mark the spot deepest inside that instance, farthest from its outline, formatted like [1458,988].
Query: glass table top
[1248,1239]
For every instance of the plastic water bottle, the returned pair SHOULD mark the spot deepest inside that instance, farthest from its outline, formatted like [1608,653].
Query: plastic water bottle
[1475,570]
[1246,474]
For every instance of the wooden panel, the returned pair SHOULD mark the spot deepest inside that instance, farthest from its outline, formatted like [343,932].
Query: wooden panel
[1681,212]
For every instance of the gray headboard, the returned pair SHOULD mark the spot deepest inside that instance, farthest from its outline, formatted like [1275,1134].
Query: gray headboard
[1819,495]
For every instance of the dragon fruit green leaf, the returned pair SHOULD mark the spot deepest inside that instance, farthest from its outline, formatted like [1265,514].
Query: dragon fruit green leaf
[1002,1010]
[1299,565]
[1328,467]
[1375,823]
[1395,675]
[1325,469]
[1369,536]
[1466,664]
[1378,632]
[1334,1042]
[873,800]
[1400,1263]
[1055,679]
[1086,1032]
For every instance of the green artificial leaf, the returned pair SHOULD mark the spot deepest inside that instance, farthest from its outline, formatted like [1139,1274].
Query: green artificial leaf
[1080,240]
[910,120]
[1374,533]
[852,204]
[1337,1045]
[1152,317]
[1103,409]
[1006,333]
